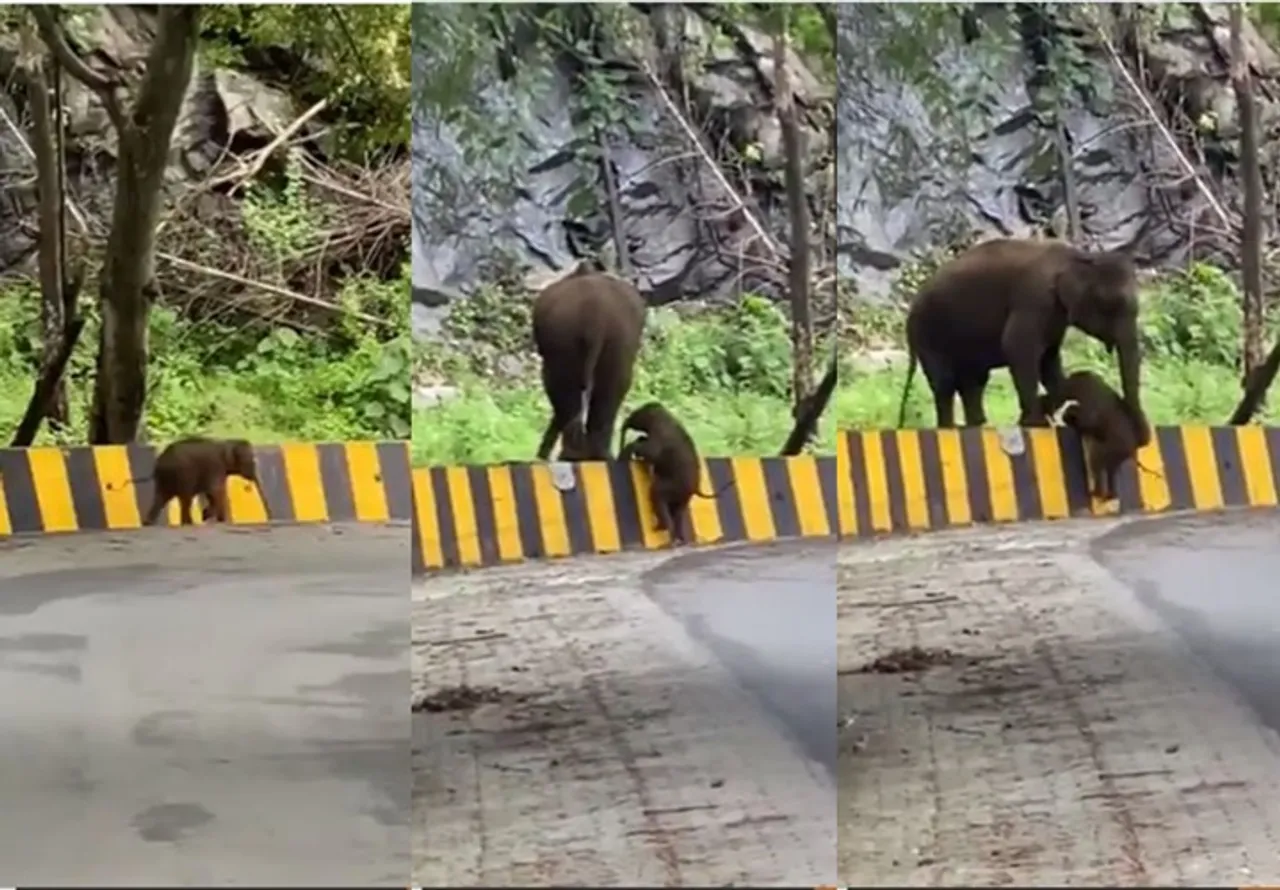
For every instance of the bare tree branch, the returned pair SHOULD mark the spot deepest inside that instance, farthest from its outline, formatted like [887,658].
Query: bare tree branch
[47,21]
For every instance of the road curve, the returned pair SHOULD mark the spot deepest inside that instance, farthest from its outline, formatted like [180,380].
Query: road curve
[1092,703]
[212,707]
[634,720]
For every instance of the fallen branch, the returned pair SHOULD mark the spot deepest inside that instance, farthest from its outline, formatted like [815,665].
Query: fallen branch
[808,410]
[1149,108]
[720,178]
[248,170]
[269,288]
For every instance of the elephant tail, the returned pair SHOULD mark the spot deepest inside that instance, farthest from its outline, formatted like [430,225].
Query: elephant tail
[906,387]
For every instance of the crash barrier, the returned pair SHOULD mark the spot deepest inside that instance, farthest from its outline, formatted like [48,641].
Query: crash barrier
[907,480]
[484,515]
[92,487]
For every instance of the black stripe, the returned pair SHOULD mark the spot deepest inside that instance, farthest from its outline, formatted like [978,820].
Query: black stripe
[935,488]
[444,517]
[1073,472]
[624,504]
[86,491]
[1127,487]
[274,483]
[482,504]
[397,479]
[526,510]
[828,470]
[1271,436]
[574,504]
[975,473]
[733,526]
[893,480]
[20,491]
[1175,467]
[142,464]
[1226,452]
[1026,492]
[861,496]
[335,481]
[782,499]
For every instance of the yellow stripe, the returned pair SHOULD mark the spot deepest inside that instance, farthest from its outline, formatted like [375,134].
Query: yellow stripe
[954,481]
[502,495]
[597,497]
[650,537]
[6,523]
[1004,499]
[1050,479]
[1153,482]
[913,489]
[877,484]
[368,494]
[704,514]
[462,504]
[119,493]
[302,473]
[753,495]
[806,491]
[424,500]
[53,489]
[846,516]
[1255,461]
[555,532]
[1202,468]
[245,502]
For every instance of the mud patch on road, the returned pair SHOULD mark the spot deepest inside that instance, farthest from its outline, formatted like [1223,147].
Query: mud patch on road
[460,698]
[911,660]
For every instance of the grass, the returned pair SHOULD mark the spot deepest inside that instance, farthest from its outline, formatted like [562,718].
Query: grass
[725,374]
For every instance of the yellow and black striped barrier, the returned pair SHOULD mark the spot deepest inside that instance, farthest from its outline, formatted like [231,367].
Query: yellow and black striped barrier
[95,487]
[483,515]
[909,480]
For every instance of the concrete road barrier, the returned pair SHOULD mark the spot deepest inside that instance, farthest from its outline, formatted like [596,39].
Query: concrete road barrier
[93,487]
[911,480]
[484,515]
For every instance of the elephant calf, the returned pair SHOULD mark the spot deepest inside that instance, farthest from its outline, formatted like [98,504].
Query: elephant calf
[587,329]
[1110,431]
[668,450]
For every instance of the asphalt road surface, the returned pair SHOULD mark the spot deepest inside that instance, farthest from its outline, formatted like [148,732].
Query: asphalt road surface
[1079,703]
[655,719]
[213,707]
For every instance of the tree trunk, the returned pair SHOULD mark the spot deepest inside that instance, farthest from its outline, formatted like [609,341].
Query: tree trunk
[1251,234]
[53,310]
[120,390]
[798,211]
[808,411]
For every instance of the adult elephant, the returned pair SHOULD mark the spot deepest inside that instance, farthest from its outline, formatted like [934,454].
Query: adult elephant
[1007,303]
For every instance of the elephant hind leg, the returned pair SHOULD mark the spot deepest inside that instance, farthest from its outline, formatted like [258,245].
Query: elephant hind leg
[971,395]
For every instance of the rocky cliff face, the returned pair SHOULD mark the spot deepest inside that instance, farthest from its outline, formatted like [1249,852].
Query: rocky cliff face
[681,242]
[902,191]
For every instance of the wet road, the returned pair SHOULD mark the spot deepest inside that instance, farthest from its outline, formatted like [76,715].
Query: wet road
[768,612]
[223,706]
[642,719]
[1216,581]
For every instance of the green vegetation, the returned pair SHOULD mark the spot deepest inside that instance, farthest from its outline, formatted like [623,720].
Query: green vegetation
[268,384]
[1191,332]
[725,373]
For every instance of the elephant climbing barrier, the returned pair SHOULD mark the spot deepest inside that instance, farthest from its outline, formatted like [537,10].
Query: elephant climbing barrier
[483,515]
[908,480]
[108,487]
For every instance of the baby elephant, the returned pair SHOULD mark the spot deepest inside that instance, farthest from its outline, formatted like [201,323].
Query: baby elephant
[1110,431]
[198,466]
[668,450]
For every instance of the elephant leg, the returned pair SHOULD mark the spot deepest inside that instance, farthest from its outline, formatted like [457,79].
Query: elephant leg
[1023,345]
[942,382]
[602,415]
[1051,373]
[565,396]
[971,396]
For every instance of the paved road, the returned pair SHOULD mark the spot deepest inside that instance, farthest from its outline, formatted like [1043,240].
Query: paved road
[1092,703]
[217,707]
[628,721]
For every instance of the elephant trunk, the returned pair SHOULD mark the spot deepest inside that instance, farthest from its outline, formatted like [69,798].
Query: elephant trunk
[1130,358]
